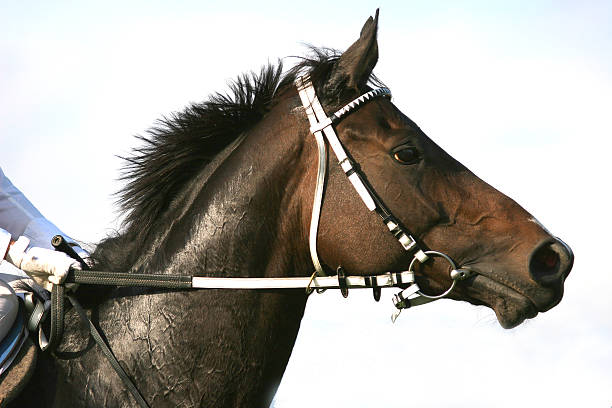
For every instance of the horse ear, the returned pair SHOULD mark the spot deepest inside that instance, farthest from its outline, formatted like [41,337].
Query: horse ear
[356,64]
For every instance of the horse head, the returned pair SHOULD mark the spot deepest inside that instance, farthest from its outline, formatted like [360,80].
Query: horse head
[225,188]
[519,267]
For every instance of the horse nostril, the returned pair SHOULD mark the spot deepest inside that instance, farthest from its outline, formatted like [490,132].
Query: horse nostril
[550,262]
[544,261]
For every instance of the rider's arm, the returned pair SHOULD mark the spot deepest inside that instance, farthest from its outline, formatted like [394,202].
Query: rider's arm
[19,217]
[25,238]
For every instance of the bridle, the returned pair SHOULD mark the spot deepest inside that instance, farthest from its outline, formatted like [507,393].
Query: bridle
[322,127]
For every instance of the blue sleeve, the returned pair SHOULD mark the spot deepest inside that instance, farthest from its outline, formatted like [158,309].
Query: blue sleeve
[19,217]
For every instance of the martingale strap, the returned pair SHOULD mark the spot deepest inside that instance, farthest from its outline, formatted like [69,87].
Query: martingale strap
[322,125]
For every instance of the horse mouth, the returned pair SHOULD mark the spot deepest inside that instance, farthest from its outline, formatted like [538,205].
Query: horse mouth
[511,307]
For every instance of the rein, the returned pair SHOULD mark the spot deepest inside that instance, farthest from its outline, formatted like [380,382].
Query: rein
[322,127]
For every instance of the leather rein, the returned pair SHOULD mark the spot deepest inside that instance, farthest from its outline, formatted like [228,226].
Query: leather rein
[322,127]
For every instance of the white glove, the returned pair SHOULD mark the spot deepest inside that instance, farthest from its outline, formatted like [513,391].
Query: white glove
[45,266]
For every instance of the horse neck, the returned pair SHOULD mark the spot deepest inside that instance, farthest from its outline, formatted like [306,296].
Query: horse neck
[244,205]
[245,218]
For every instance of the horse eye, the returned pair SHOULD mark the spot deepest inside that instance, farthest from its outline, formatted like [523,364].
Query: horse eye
[406,155]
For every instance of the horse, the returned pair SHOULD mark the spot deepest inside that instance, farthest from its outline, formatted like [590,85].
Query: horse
[225,189]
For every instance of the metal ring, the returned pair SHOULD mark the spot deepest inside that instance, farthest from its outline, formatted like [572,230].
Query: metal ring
[452,265]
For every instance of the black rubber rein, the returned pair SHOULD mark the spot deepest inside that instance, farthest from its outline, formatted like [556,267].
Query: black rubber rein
[129,279]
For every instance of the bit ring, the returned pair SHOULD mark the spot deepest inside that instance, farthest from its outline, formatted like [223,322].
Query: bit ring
[453,268]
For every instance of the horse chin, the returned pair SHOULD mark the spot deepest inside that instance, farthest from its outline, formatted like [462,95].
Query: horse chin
[511,307]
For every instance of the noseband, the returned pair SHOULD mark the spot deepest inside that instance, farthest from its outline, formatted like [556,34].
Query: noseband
[322,127]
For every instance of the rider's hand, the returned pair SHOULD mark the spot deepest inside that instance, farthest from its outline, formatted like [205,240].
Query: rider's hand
[45,266]
[85,256]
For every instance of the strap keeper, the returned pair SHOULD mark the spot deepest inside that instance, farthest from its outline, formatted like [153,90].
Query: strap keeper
[321,125]
[407,241]
[347,166]
[376,291]
[342,282]
[421,256]
[391,224]
[397,278]
[401,301]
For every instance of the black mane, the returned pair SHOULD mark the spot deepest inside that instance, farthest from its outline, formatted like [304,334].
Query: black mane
[180,145]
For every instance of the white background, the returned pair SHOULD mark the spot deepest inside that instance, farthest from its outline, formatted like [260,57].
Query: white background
[520,92]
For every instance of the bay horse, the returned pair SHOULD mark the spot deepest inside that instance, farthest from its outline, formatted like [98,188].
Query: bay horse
[225,188]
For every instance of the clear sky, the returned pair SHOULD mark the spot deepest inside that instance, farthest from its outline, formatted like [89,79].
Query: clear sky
[520,92]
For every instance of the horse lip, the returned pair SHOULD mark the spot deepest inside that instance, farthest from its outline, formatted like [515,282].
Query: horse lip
[500,302]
